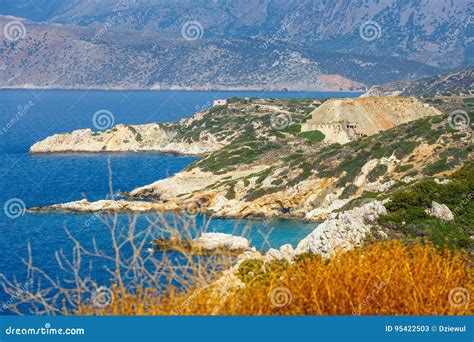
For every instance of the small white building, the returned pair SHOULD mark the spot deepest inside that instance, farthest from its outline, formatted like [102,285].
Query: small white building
[219,103]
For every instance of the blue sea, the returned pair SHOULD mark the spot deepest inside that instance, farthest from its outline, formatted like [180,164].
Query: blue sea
[27,116]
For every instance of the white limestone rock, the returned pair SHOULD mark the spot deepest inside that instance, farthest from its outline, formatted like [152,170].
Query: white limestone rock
[272,254]
[442,181]
[440,211]
[343,230]
[221,241]
[287,252]
[106,206]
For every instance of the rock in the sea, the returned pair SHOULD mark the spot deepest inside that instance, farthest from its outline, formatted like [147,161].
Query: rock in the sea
[342,231]
[440,211]
[206,243]
[102,206]
[106,206]
[220,241]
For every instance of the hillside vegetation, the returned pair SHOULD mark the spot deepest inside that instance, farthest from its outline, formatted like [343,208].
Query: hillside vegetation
[386,278]
[269,172]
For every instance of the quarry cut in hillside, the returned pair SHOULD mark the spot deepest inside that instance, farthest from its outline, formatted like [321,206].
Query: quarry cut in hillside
[343,120]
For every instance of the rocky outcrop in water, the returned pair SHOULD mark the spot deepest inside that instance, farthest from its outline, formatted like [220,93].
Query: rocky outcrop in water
[205,243]
[105,206]
[124,138]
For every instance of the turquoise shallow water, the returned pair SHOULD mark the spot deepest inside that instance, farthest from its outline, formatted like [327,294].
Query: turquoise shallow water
[48,179]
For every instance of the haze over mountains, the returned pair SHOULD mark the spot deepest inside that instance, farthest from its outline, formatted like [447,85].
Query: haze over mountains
[269,44]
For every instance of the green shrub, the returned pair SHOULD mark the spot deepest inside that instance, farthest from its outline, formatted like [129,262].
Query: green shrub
[349,191]
[403,167]
[377,172]
[406,209]
[230,195]
[294,128]
[313,136]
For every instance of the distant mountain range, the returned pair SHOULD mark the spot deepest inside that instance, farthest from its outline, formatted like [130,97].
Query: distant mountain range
[456,83]
[251,44]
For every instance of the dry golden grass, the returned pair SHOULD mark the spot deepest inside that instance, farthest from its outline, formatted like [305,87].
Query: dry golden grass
[384,278]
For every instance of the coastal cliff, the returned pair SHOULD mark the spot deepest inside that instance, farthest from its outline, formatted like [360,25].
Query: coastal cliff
[276,158]
[204,132]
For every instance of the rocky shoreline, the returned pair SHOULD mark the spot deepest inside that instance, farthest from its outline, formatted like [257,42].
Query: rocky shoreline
[314,160]
[124,138]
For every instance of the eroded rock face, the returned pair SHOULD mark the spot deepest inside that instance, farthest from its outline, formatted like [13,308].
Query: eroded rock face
[440,211]
[343,119]
[124,138]
[342,231]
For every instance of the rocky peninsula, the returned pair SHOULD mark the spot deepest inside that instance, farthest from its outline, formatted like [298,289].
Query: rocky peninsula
[275,158]
[310,159]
